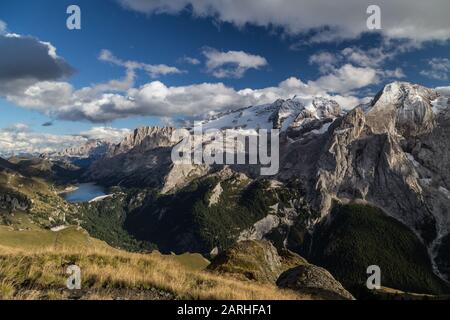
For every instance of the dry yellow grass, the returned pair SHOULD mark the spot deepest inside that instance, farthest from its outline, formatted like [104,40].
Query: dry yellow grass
[108,273]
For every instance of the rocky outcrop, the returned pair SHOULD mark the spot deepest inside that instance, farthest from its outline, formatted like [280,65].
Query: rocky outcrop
[261,261]
[143,159]
[314,280]
[13,202]
[255,260]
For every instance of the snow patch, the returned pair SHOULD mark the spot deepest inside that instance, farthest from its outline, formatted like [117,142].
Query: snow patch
[59,228]
[100,198]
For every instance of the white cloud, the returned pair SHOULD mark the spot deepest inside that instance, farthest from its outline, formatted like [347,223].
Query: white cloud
[443,90]
[347,78]
[2,26]
[17,127]
[231,64]
[154,70]
[373,57]
[106,133]
[157,99]
[353,68]
[396,73]
[346,19]
[45,94]
[19,142]
[189,60]
[439,69]
[326,61]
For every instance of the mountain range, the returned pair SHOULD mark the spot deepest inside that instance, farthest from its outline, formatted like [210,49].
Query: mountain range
[355,187]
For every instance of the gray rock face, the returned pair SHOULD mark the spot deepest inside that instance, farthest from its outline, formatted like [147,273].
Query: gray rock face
[14,202]
[261,261]
[143,159]
[313,280]
[255,260]
[81,155]
[146,138]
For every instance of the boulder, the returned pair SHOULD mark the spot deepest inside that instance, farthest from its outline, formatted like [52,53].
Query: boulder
[255,260]
[317,281]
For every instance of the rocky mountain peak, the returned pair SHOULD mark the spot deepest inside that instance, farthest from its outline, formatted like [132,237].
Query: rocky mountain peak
[403,93]
[285,112]
[146,138]
[92,147]
[326,107]
[404,108]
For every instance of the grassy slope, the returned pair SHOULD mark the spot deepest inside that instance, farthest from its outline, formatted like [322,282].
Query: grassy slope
[32,266]
[359,236]
[46,203]
[37,238]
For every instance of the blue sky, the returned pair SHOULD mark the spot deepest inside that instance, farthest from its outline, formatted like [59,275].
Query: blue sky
[273,47]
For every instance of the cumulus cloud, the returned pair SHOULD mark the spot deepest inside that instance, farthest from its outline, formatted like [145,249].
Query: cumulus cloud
[347,78]
[354,68]
[157,99]
[439,69]
[443,90]
[323,20]
[231,64]
[28,142]
[25,61]
[43,96]
[373,57]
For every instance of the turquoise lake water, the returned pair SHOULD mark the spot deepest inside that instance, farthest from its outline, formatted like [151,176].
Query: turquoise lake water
[85,192]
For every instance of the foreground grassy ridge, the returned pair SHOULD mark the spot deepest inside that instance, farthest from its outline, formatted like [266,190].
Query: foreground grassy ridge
[109,273]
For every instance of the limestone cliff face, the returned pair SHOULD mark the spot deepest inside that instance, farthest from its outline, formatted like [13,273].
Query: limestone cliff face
[143,159]
[146,138]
